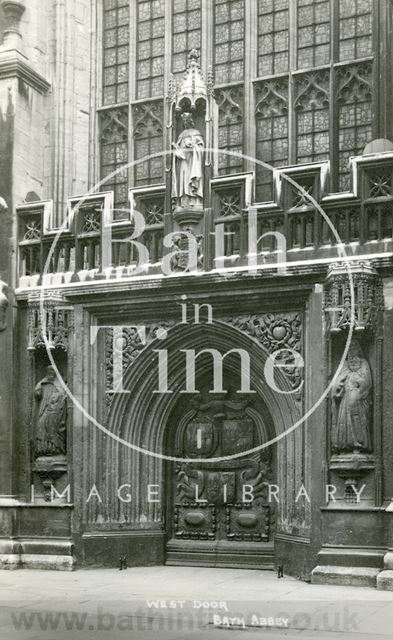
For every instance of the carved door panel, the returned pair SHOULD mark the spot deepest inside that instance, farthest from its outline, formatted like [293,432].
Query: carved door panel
[225,500]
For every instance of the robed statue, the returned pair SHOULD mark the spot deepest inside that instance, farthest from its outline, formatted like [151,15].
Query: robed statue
[50,417]
[352,402]
[187,171]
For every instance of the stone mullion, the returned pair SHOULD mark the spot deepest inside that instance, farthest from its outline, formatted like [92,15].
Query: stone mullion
[132,89]
[96,25]
[250,72]
[292,67]
[378,66]
[384,59]
[378,420]
[206,36]
[333,105]
[167,106]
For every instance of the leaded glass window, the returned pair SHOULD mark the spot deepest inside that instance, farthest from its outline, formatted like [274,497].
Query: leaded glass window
[355,30]
[116,51]
[309,87]
[148,140]
[150,48]
[230,128]
[312,117]
[271,132]
[114,154]
[228,40]
[328,122]
[354,114]
[313,33]
[186,32]
[273,37]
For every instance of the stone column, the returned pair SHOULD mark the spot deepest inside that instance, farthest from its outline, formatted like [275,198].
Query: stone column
[6,330]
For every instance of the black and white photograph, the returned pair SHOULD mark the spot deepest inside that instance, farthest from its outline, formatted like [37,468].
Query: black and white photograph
[196,319]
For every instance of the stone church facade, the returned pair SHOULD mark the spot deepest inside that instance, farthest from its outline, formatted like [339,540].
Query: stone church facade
[186,183]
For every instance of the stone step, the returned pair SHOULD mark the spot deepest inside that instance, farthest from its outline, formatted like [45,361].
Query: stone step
[194,553]
[344,575]
[37,553]
[385,580]
[351,557]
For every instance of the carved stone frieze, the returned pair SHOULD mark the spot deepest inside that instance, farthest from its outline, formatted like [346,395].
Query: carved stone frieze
[279,333]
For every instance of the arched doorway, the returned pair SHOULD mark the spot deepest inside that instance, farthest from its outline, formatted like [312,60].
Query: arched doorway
[179,424]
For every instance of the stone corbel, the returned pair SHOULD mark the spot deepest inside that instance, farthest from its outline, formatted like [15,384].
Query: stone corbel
[49,469]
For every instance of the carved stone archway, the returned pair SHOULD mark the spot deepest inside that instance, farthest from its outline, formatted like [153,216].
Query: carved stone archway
[142,416]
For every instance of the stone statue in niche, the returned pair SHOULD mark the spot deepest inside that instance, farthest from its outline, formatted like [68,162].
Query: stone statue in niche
[187,173]
[352,402]
[50,417]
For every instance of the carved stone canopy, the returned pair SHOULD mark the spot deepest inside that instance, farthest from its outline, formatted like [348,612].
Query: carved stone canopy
[52,316]
[193,87]
[368,297]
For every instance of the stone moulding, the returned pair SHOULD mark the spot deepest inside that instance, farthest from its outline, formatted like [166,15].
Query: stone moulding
[18,66]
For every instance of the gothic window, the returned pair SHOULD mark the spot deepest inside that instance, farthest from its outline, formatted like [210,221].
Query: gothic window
[309,87]
[150,48]
[312,117]
[354,114]
[228,40]
[313,33]
[186,32]
[324,118]
[116,51]
[114,154]
[273,36]
[230,128]
[148,140]
[271,132]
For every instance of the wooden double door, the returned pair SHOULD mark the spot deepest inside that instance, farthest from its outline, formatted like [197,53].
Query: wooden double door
[219,512]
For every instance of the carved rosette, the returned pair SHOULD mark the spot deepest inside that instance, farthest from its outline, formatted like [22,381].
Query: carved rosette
[50,317]
[278,333]
[368,297]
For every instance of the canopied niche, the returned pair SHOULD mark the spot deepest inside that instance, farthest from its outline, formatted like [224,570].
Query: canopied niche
[354,416]
[189,135]
[50,326]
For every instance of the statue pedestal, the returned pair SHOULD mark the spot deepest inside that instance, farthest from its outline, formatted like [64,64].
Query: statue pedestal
[50,469]
[188,216]
[352,464]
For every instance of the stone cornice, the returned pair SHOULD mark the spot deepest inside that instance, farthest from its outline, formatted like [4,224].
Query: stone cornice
[299,278]
[14,64]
